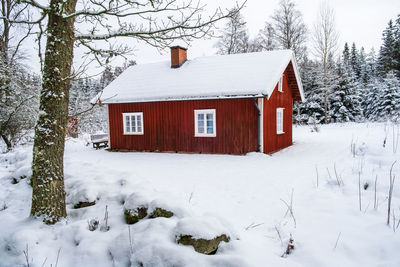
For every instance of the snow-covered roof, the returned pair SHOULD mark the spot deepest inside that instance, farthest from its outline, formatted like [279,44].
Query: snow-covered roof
[222,76]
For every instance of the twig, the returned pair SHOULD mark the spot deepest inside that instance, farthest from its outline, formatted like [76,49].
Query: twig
[279,234]
[316,169]
[289,248]
[44,262]
[290,208]
[130,239]
[58,255]
[253,225]
[375,200]
[337,240]
[26,253]
[191,196]
[391,185]
[359,189]
[338,179]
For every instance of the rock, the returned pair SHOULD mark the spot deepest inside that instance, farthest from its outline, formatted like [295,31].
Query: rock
[160,212]
[201,245]
[134,215]
[93,224]
[84,204]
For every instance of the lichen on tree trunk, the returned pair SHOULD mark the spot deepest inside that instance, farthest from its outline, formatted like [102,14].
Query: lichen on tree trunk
[48,195]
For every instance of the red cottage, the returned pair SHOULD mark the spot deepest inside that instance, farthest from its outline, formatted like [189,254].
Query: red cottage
[231,104]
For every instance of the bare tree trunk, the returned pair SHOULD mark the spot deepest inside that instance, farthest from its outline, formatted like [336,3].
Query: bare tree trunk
[48,196]
[8,143]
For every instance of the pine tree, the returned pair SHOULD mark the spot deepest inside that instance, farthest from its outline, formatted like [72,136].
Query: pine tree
[346,54]
[364,71]
[396,50]
[345,101]
[355,61]
[384,99]
[386,60]
[312,110]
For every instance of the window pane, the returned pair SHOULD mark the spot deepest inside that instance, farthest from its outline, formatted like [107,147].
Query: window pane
[210,123]
[127,124]
[133,124]
[200,123]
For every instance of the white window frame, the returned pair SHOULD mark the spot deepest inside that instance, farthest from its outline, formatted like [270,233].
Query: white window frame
[205,112]
[280,84]
[279,121]
[131,114]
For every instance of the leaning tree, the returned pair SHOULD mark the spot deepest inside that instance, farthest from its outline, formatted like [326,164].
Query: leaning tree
[95,25]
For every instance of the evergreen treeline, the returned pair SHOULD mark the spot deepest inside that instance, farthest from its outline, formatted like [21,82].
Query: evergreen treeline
[358,85]
[361,86]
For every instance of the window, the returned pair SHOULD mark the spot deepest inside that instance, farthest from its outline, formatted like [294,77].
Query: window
[133,123]
[280,84]
[204,123]
[279,121]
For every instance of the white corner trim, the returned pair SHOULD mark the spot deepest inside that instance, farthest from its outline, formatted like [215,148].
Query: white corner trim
[261,107]
[109,131]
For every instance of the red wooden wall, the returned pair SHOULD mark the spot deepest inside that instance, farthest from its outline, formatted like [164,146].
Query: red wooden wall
[273,141]
[169,126]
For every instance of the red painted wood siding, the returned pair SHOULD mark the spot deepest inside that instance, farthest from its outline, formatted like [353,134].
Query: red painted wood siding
[273,141]
[169,126]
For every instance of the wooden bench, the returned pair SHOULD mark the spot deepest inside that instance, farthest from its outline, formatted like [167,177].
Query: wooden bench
[99,140]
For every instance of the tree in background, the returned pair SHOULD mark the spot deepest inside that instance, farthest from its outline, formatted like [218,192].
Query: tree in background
[18,88]
[312,110]
[345,100]
[383,99]
[325,39]
[235,37]
[386,58]
[92,118]
[289,30]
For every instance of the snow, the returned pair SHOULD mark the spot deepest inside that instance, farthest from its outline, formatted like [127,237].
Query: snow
[242,196]
[206,227]
[238,75]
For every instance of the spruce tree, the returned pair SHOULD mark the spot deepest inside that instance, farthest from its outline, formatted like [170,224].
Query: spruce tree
[396,50]
[346,54]
[386,53]
[355,61]
[345,101]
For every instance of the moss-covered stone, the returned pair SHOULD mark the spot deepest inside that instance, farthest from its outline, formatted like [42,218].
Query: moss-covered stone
[201,245]
[160,212]
[134,215]
[84,204]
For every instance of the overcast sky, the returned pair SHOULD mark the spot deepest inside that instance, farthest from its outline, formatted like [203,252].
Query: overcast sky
[359,21]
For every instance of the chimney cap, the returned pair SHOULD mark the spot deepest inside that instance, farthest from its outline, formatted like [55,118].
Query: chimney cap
[178,46]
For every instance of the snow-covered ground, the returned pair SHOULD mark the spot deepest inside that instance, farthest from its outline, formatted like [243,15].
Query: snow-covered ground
[246,197]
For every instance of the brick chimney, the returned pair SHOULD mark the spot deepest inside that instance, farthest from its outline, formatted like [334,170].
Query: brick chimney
[178,56]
